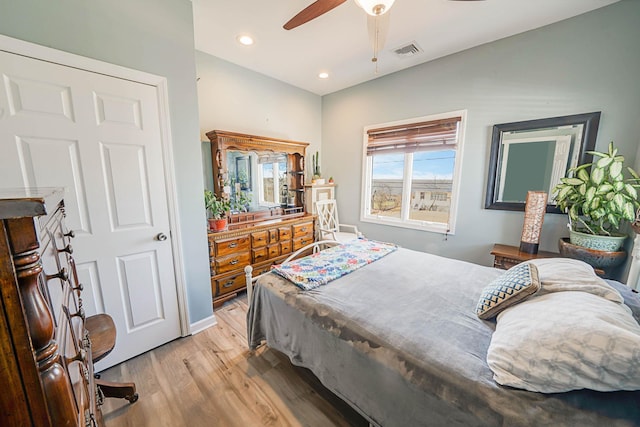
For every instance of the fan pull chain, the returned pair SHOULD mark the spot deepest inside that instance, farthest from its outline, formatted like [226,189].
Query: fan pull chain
[375,44]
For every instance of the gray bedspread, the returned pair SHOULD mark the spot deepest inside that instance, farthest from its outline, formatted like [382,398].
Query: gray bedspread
[400,342]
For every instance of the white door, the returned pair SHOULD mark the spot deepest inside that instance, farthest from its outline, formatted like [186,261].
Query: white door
[99,137]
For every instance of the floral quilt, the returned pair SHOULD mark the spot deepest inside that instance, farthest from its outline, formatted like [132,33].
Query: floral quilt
[327,265]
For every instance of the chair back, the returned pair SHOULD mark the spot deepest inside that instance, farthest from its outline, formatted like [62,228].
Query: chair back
[327,215]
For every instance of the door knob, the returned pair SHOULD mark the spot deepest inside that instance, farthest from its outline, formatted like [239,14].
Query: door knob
[161,237]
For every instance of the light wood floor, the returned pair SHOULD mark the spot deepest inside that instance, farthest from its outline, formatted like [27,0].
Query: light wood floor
[211,379]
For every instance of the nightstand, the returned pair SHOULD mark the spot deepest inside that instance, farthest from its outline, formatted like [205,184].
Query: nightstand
[505,256]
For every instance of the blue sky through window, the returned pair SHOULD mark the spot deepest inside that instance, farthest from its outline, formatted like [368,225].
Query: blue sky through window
[426,165]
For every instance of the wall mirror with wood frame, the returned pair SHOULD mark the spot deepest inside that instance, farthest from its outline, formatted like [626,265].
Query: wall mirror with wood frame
[534,155]
[262,176]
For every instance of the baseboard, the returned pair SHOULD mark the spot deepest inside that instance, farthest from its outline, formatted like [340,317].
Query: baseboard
[203,324]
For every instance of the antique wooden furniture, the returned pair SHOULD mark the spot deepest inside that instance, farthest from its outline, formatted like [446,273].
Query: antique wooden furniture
[506,256]
[46,356]
[47,370]
[224,143]
[261,245]
[273,223]
[102,332]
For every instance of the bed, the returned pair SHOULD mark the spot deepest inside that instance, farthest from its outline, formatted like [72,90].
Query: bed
[399,341]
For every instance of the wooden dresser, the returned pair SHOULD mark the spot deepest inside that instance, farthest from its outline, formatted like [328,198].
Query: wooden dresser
[46,368]
[260,245]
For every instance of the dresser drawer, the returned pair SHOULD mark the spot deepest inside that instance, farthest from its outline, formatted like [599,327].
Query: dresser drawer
[230,246]
[274,251]
[305,229]
[273,236]
[232,262]
[259,254]
[284,233]
[259,238]
[261,269]
[227,284]
[301,242]
[285,247]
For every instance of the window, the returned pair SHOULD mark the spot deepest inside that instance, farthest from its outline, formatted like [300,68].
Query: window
[272,170]
[411,172]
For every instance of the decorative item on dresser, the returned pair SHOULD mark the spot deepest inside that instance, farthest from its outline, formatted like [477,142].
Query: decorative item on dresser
[260,245]
[47,353]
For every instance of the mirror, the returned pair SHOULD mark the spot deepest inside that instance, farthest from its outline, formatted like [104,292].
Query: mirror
[257,180]
[261,176]
[534,155]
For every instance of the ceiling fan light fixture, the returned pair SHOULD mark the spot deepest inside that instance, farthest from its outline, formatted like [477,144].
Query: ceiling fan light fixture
[375,7]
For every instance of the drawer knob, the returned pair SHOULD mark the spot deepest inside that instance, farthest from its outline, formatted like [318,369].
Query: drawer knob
[234,262]
[81,356]
[62,275]
[68,249]
[79,314]
[233,245]
[79,288]
[228,284]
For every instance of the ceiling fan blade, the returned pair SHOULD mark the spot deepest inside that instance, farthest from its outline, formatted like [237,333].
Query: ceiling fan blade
[315,9]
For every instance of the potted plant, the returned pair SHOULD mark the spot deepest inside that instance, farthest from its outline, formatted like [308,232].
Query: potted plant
[599,198]
[217,208]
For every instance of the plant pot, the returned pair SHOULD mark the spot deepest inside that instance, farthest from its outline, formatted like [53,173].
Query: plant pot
[593,257]
[218,224]
[592,241]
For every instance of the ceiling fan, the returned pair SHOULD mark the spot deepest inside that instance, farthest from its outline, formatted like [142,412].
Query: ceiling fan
[320,7]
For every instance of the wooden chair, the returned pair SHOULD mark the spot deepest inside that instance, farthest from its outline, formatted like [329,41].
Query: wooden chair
[329,226]
[102,333]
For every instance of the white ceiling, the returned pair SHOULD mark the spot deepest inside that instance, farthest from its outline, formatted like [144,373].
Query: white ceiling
[338,41]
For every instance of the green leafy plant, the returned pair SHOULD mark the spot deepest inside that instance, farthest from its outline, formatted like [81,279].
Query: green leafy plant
[597,196]
[240,201]
[216,206]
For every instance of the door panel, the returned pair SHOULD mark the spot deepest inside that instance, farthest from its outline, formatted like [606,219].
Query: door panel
[99,137]
[126,185]
[36,155]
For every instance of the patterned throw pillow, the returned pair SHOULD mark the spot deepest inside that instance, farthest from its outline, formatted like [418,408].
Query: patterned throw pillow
[513,286]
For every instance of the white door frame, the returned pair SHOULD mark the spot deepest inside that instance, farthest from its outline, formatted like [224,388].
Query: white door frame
[35,51]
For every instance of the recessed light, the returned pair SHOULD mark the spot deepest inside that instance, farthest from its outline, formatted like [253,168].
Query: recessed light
[323,75]
[245,39]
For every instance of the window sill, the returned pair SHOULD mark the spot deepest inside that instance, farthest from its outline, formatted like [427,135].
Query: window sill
[432,227]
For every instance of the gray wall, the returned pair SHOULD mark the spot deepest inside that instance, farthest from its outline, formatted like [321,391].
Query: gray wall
[155,36]
[587,63]
[233,98]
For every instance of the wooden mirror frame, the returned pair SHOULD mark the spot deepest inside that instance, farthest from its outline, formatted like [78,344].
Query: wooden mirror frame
[589,121]
[222,141]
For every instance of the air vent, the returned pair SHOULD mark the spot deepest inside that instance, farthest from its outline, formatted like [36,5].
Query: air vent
[410,49]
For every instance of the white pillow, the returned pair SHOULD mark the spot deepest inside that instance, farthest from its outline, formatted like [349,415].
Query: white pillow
[565,341]
[566,274]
